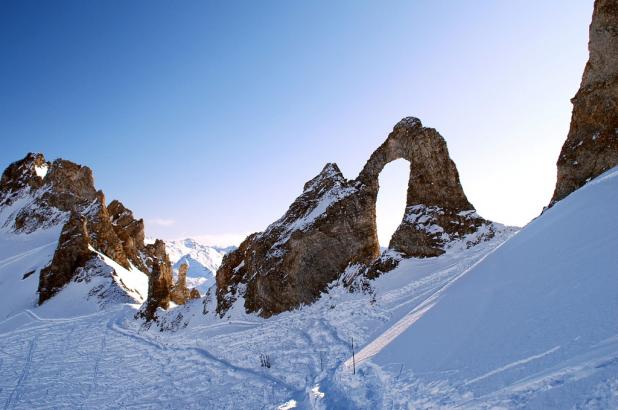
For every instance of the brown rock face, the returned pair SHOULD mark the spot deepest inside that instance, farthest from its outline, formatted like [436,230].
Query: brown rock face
[21,175]
[102,233]
[160,282]
[591,147]
[194,294]
[65,188]
[161,287]
[182,275]
[329,226]
[130,232]
[71,254]
[332,226]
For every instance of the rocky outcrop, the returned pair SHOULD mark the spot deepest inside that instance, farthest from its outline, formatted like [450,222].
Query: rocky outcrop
[130,231]
[49,191]
[180,294]
[160,282]
[102,233]
[36,194]
[73,252]
[181,283]
[329,226]
[161,287]
[22,175]
[591,147]
[332,226]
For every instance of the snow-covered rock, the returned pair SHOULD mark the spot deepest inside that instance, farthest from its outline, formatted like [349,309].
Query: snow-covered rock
[331,224]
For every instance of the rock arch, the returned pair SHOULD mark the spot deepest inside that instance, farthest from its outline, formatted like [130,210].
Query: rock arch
[437,209]
[330,231]
[434,179]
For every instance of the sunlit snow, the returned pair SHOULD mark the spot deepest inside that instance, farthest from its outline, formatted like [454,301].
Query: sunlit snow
[41,170]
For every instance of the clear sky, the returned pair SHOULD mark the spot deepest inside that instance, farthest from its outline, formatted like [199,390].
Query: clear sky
[206,118]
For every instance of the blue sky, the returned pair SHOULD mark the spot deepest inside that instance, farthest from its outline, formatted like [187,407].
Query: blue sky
[206,118]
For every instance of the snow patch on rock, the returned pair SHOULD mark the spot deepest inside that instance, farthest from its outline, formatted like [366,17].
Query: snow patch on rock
[41,170]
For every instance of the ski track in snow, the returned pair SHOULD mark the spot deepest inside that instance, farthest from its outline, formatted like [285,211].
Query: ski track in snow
[93,362]
[102,360]
[7,261]
[512,365]
[16,392]
[409,319]
[385,338]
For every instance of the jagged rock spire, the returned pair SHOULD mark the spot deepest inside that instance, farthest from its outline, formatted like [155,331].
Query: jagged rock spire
[160,282]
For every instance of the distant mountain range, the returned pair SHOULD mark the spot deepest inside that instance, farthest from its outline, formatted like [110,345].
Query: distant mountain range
[203,260]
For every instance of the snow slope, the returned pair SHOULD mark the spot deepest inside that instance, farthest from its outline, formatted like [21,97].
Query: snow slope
[203,261]
[22,256]
[110,360]
[534,324]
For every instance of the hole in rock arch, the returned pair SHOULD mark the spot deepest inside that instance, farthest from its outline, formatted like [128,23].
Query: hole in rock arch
[391,201]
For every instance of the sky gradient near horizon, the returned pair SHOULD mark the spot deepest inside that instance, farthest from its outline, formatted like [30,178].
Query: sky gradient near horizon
[206,118]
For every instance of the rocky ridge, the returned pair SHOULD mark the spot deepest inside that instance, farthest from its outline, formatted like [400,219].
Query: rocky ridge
[331,227]
[37,194]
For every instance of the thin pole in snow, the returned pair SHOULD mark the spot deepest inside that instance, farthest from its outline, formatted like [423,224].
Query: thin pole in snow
[353,359]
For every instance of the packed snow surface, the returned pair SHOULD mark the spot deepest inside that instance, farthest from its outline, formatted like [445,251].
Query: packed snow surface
[22,256]
[527,322]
